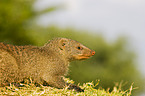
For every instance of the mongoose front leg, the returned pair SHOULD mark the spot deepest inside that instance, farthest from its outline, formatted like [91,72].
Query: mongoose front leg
[55,81]
[58,82]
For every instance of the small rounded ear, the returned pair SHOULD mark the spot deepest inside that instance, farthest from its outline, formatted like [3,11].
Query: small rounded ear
[62,43]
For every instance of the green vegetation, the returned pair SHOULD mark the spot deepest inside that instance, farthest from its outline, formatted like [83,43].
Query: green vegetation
[16,19]
[112,63]
[28,90]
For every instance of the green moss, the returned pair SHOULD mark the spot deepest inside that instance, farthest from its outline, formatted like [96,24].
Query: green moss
[31,90]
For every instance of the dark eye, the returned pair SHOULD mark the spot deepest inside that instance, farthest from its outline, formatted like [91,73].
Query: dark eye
[63,44]
[79,48]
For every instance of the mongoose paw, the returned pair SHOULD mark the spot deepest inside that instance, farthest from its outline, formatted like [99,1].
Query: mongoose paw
[75,87]
[17,85]
[78,89]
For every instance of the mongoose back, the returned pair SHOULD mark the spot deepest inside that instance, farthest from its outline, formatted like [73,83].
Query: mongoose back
[48,63]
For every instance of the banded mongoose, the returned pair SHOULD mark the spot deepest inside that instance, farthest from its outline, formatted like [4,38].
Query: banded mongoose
[48,63]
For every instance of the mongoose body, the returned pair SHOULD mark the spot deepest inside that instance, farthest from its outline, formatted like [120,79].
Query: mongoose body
[48,63]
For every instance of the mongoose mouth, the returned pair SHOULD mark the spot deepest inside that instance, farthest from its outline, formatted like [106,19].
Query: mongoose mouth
[80,57]
[84,56]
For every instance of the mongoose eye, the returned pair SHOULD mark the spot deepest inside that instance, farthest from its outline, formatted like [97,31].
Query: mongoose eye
[79,48]
[63,44]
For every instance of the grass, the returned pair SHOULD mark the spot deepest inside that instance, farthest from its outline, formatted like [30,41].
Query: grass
[32,90]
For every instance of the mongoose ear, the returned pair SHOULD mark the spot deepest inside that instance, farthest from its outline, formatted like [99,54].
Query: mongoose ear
[62,43]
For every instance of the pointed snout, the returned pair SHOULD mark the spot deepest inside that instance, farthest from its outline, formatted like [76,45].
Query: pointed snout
[93,52]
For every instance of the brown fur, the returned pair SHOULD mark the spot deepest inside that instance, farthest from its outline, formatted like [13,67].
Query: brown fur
[48,63]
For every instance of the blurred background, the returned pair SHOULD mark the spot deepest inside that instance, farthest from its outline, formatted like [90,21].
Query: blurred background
[115,29]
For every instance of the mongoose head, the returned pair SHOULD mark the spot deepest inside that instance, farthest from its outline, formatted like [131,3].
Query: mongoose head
[71,49]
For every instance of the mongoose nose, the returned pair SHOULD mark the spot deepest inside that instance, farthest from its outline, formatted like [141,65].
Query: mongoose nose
[93,52]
